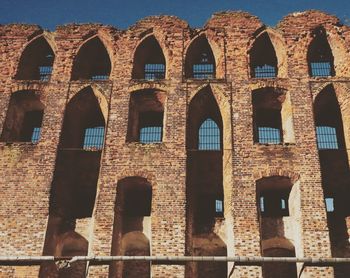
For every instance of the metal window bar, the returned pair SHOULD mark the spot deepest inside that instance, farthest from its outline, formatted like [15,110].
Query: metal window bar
[209,136]
[203,71]
[326,137]
[36,135]
[99,77]
[94,137]
[151,134]
[269,135]
[45,73]
[265,71]
[321,69]
[154,71]
[218,206]
[329,204]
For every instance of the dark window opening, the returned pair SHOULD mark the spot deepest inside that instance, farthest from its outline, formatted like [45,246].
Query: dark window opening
[151,127]
[36,61]
[209,136]
[328,121]
[200,61]
[146,115]
[273,204]
[94,138]
[83,126]
[31,128]
[24,118]
[320,57]
[92,62]
[149,61]
[268,126]
[263,60]
[326,137]
[267,116]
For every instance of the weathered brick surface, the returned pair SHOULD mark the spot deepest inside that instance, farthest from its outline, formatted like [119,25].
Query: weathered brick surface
[27,169]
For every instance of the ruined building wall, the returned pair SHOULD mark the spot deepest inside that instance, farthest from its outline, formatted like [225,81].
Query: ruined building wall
[60,198]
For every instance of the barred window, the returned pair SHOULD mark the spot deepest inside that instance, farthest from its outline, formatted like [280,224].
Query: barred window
[204,69]
[154,71]
[99,77]
[269,135]
[326,137]
[219,207]
[151,134]
[319,69]
[94,137]
[36,134]
[265,71]
[209,136]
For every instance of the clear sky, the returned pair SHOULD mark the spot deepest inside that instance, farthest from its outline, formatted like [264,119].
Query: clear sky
[123,13]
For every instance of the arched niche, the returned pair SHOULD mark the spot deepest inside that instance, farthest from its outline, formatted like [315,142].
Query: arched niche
[200,60]
[36,61]
[132,226]
[319,56]
[24,118]
[83,114]
[263,59]
[149,62]
[92,61]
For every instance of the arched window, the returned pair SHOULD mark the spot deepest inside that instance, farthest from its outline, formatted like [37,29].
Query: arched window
[36,61]
[263,60]
[92,61]
[209,136]
[149,61]
[329,125]
[200,61]
[320,57]
[24,118]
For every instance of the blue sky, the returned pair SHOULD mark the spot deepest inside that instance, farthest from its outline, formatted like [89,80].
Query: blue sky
[49,13]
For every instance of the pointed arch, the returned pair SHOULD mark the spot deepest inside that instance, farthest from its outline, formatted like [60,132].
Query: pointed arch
[319,56]
[36,61]
[263,58]
[149,61]
[92,61]
[328,120]
[202,107]
[199,60]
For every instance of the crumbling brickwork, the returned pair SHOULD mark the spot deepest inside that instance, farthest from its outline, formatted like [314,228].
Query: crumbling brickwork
[61,196]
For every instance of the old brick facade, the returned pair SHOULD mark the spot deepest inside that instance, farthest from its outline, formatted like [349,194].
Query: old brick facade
[60,198]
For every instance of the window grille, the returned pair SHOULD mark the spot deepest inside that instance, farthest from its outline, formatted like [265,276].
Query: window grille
[99,77]
[269,135]
[154,71]
[45,73]
[203,71]
[218,207]
[265,71]
[94,137]
[262,204]
[329,204]
[151,134]
[36,135]
[326,137]
[209,136]
[321,69]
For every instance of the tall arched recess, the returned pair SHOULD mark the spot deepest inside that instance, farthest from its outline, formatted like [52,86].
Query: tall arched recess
[74,183]
[149,62]
[335,173]
[92,61]
[36,61]
[200,60]
[263,59]
[319,56]
[205,216]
